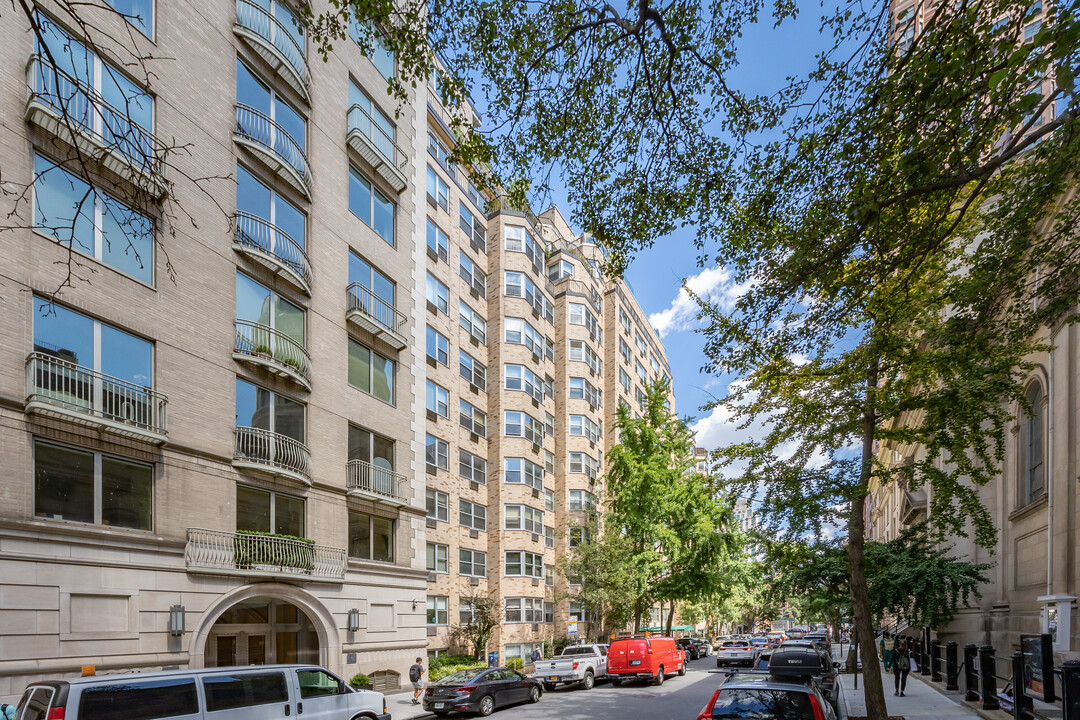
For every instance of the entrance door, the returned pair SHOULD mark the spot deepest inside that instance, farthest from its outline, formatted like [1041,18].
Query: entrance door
[262,631]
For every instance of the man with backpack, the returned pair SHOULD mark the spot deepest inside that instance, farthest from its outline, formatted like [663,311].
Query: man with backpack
[416,672]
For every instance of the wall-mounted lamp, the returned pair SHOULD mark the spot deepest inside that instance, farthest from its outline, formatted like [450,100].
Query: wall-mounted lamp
[176,620]
[414,603]
[354,620]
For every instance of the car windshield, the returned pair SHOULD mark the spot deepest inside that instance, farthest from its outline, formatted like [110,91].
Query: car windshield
[761,704]
[578,651]
[461,676]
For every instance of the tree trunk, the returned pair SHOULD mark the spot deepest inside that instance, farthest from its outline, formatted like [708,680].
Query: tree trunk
[637,616]
[873,690]
[670,619]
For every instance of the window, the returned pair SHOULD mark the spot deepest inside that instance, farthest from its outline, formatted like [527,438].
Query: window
[259,408]
[549,500]
[581,315]
[257,205]
[519,377]
[438,294]
[624,320]
[625,380]
[465,615]
[437,453]
[437,241]
[319,683]
[377,287]
[519,284]
[521,563]
[253,94]
[471,226]
[1031,30]
[624,351]
[136,700]
[640,342]
[549,462]
[472,563]
[577,611]
[472,467]
[582,500]
[472,419]
[269,512]
[523,517]
[438,506]
[438,399]
[549,612]
[229,691]
[559,270]
[370,205]
[528,610]
[581,425]
[470,272]
[438,151]
[438,346]
[581,351]
[371,537]
[523,651]
[366,117]
[518,331]
[549,425]
[521,424]
[76,214]
[438,610]
[642,374]
[92,487]
[472,515]
[471,370]
[521,470]
[584,463]
[265,321]
[520,240]
[372,448]
[371,41]
[582,389]
[472,323]
[438,192]
[1033,469]
[140,13]
[370,372]
[438,558]
[549,542]
[654,363]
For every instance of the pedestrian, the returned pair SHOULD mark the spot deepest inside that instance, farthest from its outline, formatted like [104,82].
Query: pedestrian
[536,654]
[7,712]
[888,646]
[416,675]
[901,666]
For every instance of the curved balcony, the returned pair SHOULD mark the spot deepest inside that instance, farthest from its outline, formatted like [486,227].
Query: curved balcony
[219,552]
[274,43]
[370,312]
[71,110]
[368,479]
[272,350]
[367,138]
[273,248]
[265,451]
[274,146]
[58,388]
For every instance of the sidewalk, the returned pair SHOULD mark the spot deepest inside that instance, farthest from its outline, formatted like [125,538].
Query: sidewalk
[401,708]
[920,701]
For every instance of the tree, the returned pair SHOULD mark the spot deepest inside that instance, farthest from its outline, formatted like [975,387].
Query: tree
[484,617]
[601,583]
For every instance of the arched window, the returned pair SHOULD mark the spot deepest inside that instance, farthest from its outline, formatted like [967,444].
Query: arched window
[1032,460]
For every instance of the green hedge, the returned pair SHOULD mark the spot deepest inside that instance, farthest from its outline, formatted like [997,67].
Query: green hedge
[438,673]
[515,663]
[255,548]
[444,660]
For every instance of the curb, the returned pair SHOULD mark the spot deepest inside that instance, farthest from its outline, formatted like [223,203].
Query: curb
[958,699]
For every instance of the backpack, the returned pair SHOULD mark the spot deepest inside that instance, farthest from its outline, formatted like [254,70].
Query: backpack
[902,662]
[414,673]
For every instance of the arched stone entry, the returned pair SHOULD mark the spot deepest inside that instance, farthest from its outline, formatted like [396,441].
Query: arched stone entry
[263,624]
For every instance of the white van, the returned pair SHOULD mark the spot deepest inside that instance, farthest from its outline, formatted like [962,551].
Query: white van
[254,692]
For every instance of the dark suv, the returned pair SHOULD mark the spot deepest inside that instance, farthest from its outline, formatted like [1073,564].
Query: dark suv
[688,646]
[768,697]
[803,661]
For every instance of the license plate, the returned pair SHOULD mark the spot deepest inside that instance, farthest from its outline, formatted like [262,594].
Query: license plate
[635,662]
[553,677]
[440,706]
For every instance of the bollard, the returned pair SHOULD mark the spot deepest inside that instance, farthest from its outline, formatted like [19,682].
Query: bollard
[987,680]
[971,675]
[1070,689]
[951,672]
[1022,704]
[935,660]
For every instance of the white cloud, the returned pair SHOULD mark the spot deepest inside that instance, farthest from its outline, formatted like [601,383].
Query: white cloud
[714,284]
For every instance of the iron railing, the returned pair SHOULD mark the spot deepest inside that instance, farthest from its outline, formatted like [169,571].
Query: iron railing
[256,553]
[384,314]
[263,236]
[362,476]
[360,120]
[86,109]
[262,22]
[257,127]
[262,447]
[258,340]
[54,381]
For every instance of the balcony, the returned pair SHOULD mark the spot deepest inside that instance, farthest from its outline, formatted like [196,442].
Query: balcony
[272,350]
[269,452]
[370,480]
[274,43]
[273,248]
[71,110]
[219,552]
[274,146]
[370,312]
[58,388]
[373,144]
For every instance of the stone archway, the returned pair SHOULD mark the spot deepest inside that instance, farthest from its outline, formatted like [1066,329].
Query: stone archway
[329,640]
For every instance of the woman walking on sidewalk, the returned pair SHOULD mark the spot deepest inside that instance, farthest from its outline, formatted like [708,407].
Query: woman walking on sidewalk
[901,666]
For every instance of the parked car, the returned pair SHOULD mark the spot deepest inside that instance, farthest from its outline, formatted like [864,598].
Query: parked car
[584,664]
[704,647]
[810,661]
[644,659]
[687,645]
[767,697]
[238,693]
[821,638]
[737,652]
[480,690]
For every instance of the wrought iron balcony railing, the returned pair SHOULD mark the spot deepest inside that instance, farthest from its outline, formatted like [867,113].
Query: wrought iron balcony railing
[271,452]
[274,248]
[273,349]
[274,145]
[370,479]
[376,146]
[375,315]
[242,553]
[273,41]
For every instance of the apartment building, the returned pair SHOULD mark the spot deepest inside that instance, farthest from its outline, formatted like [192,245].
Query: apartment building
[211,438]
[520,387]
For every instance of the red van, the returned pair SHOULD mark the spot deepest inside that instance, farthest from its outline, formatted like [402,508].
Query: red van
[644,659]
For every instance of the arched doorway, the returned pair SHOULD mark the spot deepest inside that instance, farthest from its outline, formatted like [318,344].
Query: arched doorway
[262,631]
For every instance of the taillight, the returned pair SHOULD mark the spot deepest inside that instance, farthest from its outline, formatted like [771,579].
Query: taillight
[466,689]
[818,713]
[706,712]
[56,713]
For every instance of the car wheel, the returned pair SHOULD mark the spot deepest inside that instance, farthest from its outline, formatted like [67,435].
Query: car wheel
[589,681]
[534,694]
[659,680]
[549,686]
[487,705]
[615,682]
[682,671]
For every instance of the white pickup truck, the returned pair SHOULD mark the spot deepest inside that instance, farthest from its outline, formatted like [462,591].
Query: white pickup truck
[583,664]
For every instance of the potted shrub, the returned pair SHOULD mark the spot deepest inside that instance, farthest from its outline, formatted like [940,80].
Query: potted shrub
[360,681]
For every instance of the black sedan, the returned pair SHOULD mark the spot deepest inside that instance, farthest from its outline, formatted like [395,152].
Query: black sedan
[480,690]
[688,646]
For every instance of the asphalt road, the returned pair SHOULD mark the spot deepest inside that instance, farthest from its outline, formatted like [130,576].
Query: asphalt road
[678,698]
